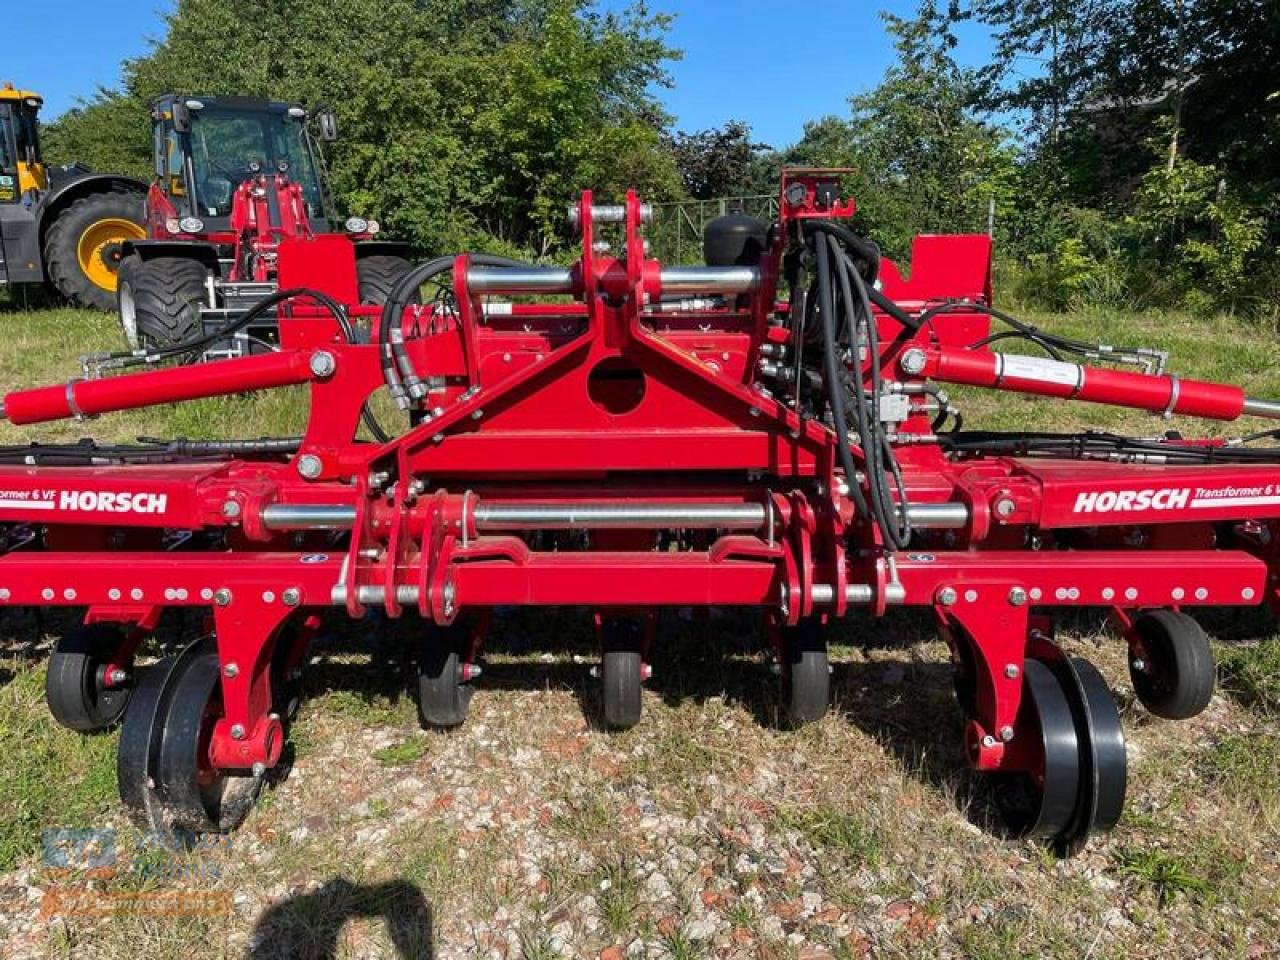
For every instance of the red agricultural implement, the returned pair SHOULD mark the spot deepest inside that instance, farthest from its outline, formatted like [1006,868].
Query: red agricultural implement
[766,431]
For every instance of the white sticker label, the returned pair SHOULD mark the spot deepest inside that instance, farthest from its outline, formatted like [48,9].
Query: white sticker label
[1039,369]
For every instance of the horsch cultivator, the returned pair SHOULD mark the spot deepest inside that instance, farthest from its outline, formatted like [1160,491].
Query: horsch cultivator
[768,430]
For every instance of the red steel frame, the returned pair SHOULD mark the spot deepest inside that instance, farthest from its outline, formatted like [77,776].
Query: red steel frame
[606,402]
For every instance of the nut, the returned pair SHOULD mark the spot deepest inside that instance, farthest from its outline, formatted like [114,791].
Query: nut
[947,596]
[291,597]
[237,731]
[222,597]
[1017,597]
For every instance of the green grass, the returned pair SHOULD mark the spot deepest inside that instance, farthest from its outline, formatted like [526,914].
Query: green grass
[401,754]
[1253,673]
[847,834]
[50,777]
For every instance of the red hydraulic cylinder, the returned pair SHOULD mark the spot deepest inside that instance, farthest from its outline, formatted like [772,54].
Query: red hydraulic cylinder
[85,398]
[1044,377]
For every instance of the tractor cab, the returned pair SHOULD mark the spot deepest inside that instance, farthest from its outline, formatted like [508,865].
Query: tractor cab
[21,167]
[206,148]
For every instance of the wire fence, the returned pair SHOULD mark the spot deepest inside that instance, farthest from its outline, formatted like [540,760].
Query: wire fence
[676,232]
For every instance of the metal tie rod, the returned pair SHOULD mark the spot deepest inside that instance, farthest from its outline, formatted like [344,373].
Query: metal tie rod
[608,213]
[598,516]
[515,281]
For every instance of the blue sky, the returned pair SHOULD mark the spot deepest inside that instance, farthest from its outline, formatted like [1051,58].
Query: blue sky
[771,63]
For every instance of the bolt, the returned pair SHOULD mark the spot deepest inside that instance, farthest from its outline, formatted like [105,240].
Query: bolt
[323,364]
[754,411]
[1247,593]
[222,597]
[1178,593]
[1005,507]
[947,596]
[1006,734]
[988,741]
[913,362]
[477,414]
[1139,664]
[970,596]
[231,670]
[1011,671]
[1017,597]
[291,597]
[237,731]
[309,466]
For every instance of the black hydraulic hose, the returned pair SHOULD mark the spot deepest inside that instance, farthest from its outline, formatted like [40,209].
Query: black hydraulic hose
[391,352]
[899,524]
[834,384]
[871,255]
[828,253]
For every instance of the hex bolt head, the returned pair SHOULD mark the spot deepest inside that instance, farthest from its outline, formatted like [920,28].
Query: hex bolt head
[1011,671]
[231,670]
[237,731]
[988,741]
[309,466]
[1006,734]
[1005,508]
[1017,597]
[1139,664]
[323,364]
[222,597]
[231,509]
[947,596]
[291,597]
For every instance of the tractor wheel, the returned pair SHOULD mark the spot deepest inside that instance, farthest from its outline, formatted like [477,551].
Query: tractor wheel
[160,301]
[80,695]
[82,248]
[622,671]
[166,781]
[378,276]
[806,672]
[1172,667]
[443,696]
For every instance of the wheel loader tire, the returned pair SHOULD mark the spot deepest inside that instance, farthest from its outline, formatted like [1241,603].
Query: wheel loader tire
[82,247]
[160,300]
[378,276]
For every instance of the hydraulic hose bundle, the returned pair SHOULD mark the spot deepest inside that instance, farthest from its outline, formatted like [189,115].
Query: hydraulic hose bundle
[843,303]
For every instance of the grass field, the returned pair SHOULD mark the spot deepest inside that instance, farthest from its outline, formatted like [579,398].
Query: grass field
[705,832]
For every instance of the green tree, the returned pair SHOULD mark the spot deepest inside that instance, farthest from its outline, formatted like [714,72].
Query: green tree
[923,159]
[720,162]
[464,122]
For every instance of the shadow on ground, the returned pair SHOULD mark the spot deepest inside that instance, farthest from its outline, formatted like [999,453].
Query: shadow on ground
[309,926]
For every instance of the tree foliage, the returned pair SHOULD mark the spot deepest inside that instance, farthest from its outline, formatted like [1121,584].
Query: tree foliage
[463,121]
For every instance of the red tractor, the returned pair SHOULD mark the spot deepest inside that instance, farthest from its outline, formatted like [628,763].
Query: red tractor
[237,203]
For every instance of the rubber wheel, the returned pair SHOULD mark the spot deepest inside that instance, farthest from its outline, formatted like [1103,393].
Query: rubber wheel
[806,672]
[72,685]
[1042,802]
[165,780]
[443,699]
[82,247]
[378,275]
[1177,673]
[160,301]
[621,672]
